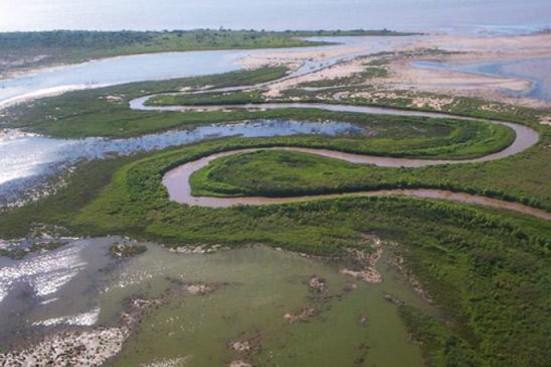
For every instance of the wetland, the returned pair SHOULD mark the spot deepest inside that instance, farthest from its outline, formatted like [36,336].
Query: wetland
[277,207]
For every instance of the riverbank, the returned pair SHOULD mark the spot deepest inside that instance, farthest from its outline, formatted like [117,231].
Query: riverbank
[26,52]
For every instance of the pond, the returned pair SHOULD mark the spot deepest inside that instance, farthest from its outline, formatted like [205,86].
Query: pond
[252,292]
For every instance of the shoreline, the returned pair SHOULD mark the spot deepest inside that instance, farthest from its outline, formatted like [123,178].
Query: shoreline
[18,72]
[457,50]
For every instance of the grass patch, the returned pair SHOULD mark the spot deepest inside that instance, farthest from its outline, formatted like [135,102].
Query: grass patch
[60,209]
[519,178]
[489,271]
[207,99]
[105,111]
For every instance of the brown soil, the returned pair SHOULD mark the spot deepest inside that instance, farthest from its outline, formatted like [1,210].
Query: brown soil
[305,314]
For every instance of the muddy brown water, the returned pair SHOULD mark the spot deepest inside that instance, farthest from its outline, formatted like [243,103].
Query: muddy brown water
[178,186]
[177,181]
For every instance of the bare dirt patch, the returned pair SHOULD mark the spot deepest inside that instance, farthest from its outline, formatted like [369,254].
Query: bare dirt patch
[305,314]
[239,363]
[80,347]
[363,263]
[337,71]
[93,346]
[317,284]
[546,121]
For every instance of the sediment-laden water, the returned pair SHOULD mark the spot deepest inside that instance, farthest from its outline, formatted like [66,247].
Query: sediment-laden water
[177,183]
[283,308]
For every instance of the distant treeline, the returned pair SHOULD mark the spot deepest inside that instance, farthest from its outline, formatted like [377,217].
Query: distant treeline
[57,39]
[21,50]
[102,39]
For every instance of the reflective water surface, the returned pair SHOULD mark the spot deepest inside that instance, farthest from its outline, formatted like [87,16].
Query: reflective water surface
[24,156]
[253,291]
[536,70]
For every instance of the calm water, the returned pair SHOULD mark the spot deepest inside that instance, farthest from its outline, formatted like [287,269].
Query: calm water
[449,15]
[80,285]
[170,65]
[535,70]
[25,157]
[116,71]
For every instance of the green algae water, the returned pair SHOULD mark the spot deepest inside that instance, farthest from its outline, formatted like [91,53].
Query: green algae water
[250,306]
[349,324]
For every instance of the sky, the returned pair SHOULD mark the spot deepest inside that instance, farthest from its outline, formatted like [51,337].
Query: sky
[24,15]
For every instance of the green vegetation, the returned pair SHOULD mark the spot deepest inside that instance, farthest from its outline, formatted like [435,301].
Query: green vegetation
[441,346]
[276,173]
[471,260]
[20,50]
[447,245]
[488,271]
[279,173]
[60,209]
[105,111]
[31,49]
[207,99]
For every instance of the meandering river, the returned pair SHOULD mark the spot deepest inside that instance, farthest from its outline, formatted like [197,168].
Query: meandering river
[26,160]
[177,180]
[54,153]
[80,285]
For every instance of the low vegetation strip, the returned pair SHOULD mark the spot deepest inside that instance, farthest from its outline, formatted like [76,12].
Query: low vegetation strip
[104,111]
[408,134]
[22,50]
